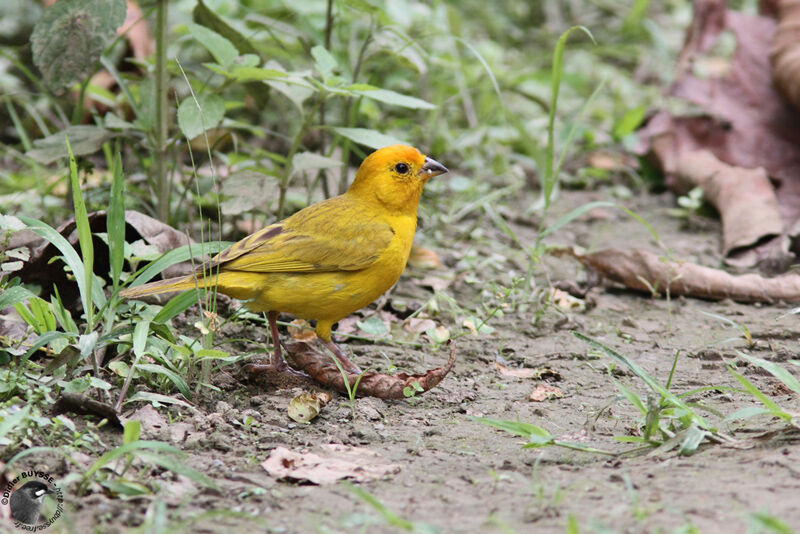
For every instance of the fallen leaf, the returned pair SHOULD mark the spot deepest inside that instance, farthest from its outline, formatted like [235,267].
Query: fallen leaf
[565,301]
[321,368]
[333,463]
[746,125]
[300,330]
[646,271]
[306,406]
[418,326]
[424,258]
[545,392]
[526,372]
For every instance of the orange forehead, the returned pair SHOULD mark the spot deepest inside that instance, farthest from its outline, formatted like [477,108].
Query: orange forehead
[395,154]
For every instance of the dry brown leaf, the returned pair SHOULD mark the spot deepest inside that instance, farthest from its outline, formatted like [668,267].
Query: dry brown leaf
[424,258]
[415,325]
[646,271]
[525,372]
[300,330]
[565,301]
[785,53]
[333,463]
[746,202]
[306,406]
[545,392]
[320,367]
[747,125]
[82,405]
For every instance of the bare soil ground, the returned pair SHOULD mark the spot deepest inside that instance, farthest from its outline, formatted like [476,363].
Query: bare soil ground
[458,475]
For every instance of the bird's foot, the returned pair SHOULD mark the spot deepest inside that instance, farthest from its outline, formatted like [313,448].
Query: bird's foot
[279,367]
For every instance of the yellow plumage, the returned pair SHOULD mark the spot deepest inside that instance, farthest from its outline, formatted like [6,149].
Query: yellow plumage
[329,259]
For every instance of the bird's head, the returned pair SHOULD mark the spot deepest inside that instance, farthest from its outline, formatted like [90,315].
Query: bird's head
[35,490]
[395,176]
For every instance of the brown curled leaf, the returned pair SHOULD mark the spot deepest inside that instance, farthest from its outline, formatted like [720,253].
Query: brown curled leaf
[646,271]
[320,367]
[83,405]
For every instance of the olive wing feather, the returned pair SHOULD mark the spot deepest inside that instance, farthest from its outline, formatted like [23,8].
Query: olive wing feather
[319,240]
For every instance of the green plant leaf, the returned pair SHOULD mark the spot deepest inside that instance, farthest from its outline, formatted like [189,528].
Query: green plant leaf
[628,123]
[174,256]
[13,295]
[84,140]
[13,420]
[307,161]
[70,257]
[195,117]
[373,326]
[773,408]
[174,377]
[221,48]
[775,370]
[646,378]
[69,37]
[115,222]
[203,16]
[390,97]
[324,61]
[84,237]
[371,138]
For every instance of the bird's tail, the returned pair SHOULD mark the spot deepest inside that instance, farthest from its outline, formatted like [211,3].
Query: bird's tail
[179,283]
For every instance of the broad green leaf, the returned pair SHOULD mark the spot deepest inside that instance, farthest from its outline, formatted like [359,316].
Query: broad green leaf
[70,36]
[12,420]
[195,117]
[390,97]
[13,295]
[367,137]
[246,190]
[221,48]
[255,74]
[83,139]
[324,61]
[373,326]
[629,121]
[204,16]
[307,161]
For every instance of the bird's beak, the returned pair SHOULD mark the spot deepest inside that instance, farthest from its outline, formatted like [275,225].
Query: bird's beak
[431,168]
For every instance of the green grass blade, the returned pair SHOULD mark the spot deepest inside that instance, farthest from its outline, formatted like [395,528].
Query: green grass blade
[174,256]
[84,237]
[773,408]
[558,67]
[14,295]
[176,305]
[632,397]
[174,377]
[647,379]
[115,222]
[775,370]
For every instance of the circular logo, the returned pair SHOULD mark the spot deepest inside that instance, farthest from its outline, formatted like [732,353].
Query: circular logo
[34,499]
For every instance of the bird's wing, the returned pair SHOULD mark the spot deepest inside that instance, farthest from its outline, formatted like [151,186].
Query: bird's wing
[313,240]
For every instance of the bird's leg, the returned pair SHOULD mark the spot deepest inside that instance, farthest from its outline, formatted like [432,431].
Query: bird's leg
[347,365]
[277,363]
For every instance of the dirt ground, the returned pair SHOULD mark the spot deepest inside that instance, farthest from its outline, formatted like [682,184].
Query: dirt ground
[454,474]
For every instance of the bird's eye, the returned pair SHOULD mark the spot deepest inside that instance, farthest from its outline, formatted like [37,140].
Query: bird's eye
[402,168]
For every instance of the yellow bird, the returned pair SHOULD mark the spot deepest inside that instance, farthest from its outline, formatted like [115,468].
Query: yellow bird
[327,260]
